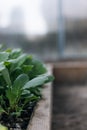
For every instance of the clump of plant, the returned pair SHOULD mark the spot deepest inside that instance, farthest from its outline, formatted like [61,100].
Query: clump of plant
[21,80]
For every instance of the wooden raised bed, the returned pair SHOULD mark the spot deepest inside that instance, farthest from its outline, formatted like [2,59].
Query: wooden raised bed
[70,71]
[70,95]
[41,117]
[64,72]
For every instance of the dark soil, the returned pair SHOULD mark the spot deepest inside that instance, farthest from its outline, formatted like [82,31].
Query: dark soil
[21,122]
[69,107]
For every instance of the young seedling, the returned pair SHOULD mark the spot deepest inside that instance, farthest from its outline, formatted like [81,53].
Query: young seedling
[21,81]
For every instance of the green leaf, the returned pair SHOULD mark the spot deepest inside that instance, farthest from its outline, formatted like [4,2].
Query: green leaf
[11,97]
[30,98]
[20,81]
[5,73]
[15,73]
[9,50]
[6,76]
[17,62]
[3,56]
[40,80]
[36,91]
[2,67]
[2,82]
[3,127]
[26,92]
[16,113]
[15,53]
[21,59]
[50,78]
[38,68]
[27,68]
[2,110]
[2,102]
[14,94]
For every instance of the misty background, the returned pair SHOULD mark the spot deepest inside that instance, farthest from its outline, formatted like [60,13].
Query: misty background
[36,27]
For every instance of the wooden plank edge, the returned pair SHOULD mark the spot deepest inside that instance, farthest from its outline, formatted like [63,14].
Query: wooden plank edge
[41,117]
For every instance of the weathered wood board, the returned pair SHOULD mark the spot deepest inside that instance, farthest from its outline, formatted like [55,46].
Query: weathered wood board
[41,118]
[73,72]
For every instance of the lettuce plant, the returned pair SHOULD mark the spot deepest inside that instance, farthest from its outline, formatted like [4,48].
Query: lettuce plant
[21,80]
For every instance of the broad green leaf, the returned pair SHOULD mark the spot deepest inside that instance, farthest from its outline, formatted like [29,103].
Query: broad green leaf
[32,97]
[9,50]
[15,53]
[16,113]
[15,73]
[3,56]
[6,63]
[40,80]
[6,76]
[26,92]
[2,110]
[36,91]
[15,93]
[21,59]
[5,73]
[3,127]
[17,62]
[11,97]
[20,81]
[50,78]
[2,102]
[2,82]
[27,68]
[38,68]
[2,67]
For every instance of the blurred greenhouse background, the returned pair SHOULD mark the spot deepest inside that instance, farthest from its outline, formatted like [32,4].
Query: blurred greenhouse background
[48,29]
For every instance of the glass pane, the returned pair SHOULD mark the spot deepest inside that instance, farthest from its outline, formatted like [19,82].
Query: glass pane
[30,24]
[75,18]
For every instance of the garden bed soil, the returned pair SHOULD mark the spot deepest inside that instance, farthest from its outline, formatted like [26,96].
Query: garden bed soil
[19,123]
